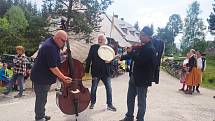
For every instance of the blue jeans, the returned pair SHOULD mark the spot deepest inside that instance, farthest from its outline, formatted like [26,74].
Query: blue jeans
[20,79]
[141,93]
[107,83]
[41,92]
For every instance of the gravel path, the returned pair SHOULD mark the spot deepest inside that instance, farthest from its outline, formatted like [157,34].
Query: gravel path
[164,103]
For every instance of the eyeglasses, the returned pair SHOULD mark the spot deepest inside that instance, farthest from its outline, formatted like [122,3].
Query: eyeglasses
[63,40]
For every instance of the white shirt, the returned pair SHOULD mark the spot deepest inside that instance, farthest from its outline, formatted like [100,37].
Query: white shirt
[199,63]
[185,61]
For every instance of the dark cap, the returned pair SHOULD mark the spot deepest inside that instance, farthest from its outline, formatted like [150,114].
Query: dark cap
[147,31]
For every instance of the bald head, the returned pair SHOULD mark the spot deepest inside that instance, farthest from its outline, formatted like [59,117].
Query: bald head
[60,38]
[101,39]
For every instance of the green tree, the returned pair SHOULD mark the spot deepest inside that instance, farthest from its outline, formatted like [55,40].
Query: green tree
[174,27]
[211,20]
[4,25]
[82,15]
[17,20]
[166,35]
[175,24]
[4,6]
[193,28]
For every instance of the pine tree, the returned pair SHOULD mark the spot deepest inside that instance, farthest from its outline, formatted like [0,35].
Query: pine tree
[81,15]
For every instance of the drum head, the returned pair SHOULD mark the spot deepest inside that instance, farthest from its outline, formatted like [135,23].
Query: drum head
[106,53]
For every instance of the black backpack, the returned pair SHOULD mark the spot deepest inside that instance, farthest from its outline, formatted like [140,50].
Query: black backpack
[159,48]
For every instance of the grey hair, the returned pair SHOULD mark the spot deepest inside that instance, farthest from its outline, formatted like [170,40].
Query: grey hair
[104,37]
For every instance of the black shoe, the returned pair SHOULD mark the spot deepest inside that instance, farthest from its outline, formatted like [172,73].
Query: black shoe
[91,106]
[198,90]
[182,89]
[17,96]
[47,118]
[111,108]
[6,92]
[213,96]
[188,92]
[127,119]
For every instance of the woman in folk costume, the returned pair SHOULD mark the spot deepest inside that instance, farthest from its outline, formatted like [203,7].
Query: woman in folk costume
[198,76]
[184,72]
[190,80]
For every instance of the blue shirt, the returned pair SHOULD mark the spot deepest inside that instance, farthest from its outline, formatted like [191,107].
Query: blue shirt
[48,57]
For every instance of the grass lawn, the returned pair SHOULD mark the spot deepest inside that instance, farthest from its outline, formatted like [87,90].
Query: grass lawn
[209,74]
[2,89]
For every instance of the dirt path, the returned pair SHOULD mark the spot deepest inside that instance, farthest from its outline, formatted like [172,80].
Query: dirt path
[165,103]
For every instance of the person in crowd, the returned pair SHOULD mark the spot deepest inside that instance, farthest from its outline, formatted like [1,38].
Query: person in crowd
[190,80]
[45,71]
[184,72]
[4,76]
[100,70]
[19,71]
[201,66]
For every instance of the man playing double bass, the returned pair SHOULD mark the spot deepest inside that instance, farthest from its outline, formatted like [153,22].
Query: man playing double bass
[45,71]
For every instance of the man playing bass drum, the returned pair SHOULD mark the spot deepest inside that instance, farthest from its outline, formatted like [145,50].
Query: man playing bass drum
[100,70]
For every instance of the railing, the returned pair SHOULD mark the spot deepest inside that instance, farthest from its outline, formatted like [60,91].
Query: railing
[172,67]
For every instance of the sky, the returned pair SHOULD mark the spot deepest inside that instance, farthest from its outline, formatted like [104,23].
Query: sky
[156,12]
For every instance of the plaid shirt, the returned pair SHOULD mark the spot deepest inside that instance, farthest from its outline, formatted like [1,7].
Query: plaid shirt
[20,64]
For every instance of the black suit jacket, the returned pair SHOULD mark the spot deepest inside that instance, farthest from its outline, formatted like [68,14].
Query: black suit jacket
[98,66]
[144,64]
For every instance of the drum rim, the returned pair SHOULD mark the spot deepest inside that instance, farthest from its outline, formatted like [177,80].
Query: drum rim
[109,48]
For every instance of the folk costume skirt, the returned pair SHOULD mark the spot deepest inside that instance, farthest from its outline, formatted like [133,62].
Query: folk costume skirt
[192,78]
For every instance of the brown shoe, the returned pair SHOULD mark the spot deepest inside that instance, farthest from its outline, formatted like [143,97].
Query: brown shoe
[47,117]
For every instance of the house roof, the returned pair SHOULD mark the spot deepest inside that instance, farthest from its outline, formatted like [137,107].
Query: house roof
[130,34]
[79,48]
[115,33]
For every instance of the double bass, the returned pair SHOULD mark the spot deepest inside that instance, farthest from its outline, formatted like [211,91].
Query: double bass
[72,98]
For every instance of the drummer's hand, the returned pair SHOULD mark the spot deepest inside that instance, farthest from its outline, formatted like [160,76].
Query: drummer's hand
[107,61]
[118,57]
[67,79]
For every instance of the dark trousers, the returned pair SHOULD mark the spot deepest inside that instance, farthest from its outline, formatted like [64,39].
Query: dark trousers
[41,92]
[20,79]
[141,93]
[107,83]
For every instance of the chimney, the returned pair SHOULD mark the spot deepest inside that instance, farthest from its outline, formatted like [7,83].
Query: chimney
[122,19]
[116,16]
